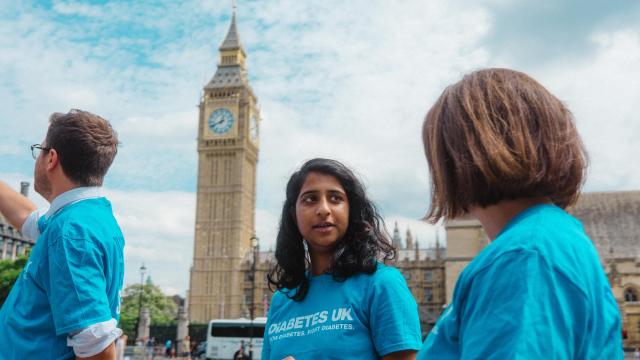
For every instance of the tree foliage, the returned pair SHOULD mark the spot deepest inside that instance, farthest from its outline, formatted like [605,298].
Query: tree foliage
[162,309]
[9,272]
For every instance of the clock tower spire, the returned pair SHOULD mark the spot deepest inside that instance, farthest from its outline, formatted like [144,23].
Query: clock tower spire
[228,135]
[231,51]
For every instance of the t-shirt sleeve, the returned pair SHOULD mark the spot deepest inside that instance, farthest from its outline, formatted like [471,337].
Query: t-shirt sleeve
[266,345]
[394,321]
[518,307]
[77,288]
[30,226]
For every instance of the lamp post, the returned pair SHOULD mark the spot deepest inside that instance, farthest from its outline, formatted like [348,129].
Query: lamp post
[255,246]
[143,270]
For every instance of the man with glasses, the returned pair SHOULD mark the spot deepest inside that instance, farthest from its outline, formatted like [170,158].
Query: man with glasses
[66,301]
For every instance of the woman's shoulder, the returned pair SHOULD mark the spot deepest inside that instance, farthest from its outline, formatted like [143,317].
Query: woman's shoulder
[384,273]
[383,269]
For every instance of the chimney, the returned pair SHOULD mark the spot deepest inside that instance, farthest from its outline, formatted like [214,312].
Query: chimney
[24,188]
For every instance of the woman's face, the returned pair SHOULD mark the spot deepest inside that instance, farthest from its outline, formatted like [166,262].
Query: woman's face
[322,212]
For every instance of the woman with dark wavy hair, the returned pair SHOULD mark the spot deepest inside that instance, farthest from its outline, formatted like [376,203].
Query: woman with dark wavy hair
[335,298]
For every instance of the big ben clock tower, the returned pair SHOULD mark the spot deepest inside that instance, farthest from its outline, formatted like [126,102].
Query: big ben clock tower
[228,135]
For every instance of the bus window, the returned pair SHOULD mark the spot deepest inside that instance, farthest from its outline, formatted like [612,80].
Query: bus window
[237,331]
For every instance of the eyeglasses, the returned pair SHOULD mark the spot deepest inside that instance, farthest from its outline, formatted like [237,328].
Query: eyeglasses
[36,149]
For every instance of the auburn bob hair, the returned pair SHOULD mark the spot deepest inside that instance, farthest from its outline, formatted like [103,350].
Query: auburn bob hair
[496,135]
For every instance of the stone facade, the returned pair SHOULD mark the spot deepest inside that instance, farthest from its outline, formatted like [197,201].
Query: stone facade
[262,295]
[424,271]
[225,208]
[611,221]
[12,242]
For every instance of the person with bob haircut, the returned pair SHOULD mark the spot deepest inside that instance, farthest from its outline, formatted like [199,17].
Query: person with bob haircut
[505,151]
[335,299]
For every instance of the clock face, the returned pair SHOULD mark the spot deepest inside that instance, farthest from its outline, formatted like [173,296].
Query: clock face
[220,121]
[253,129]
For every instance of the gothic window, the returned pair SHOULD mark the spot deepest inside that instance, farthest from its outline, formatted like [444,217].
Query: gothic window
[247,296]
[407,275]
[9,250]
[631,295]
[247,276]
[428,276]
[428,295]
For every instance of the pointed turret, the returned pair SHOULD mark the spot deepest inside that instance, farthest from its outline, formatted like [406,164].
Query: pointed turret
[409,240]
[396,241]
[232,40]
[231,70]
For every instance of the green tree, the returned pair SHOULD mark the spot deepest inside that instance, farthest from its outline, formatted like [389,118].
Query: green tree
[162,309]
[9,272]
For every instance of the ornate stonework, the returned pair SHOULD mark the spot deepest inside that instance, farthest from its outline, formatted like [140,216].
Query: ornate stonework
[424,271]
[12,242]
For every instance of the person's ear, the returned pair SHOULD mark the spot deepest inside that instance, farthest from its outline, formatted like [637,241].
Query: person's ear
[52,160]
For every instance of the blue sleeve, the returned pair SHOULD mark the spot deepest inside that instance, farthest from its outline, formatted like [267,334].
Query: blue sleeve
[77,289]
[394,321]
[518,307]
[266,345]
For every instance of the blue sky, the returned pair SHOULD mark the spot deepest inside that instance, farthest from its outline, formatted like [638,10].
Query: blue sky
[349,80]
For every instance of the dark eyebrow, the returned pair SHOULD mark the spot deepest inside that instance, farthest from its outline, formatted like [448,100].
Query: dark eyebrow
[331,191]
[307,192]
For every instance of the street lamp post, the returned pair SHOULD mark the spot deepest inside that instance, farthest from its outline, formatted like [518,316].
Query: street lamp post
[255,246]
[143,270]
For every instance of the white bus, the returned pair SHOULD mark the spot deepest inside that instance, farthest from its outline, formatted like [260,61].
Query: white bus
[224,337]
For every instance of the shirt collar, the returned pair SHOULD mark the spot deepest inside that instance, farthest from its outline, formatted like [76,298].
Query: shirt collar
[72,196]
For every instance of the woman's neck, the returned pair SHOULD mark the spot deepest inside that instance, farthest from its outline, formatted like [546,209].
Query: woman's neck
[320,262]
[495,217]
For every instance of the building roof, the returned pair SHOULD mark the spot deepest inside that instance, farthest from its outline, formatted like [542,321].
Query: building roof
[228,76]
[612,221]
[232,41]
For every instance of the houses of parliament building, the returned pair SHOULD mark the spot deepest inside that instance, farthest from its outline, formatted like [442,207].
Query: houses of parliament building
[222,274]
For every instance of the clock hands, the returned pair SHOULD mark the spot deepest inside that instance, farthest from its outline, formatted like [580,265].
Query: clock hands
[220,121]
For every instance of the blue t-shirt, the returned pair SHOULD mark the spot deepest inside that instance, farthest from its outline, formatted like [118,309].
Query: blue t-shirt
[72,280]
[538,291]
[364,317]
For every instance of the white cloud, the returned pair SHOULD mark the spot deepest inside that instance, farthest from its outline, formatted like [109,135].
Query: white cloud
[267,223]
[13,180]
[10,149]
[76,8]
[158,229]
[602,92]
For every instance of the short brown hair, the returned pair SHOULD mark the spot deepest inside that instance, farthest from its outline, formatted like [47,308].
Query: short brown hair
[498,134]
[86,145]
